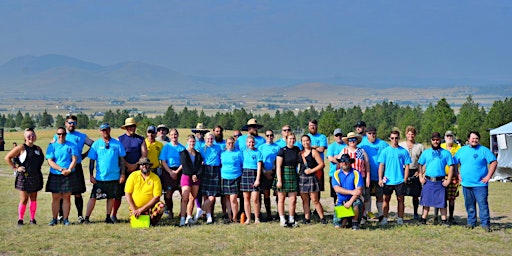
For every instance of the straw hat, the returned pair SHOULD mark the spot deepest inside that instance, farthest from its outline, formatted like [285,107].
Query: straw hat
[352,135]
[252,123]
[128,122]
[200,128]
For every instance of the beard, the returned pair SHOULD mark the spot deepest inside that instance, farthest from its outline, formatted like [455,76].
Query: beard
[145,171]
[219,138]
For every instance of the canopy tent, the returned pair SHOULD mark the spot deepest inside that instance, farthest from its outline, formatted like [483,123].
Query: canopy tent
[501,144]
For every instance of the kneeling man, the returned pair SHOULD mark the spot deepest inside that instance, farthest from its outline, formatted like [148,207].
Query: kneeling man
[348,185]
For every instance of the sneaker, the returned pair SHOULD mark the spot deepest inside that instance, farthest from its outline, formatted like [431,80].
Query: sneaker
[423,221]
[384,221]
[400,221]
[416,217]
[60,218]
[468,226]
[109,220]
[436,220]
[20,222]
[487,229]
[324,221]
[53,222]
[315,213]
[86,221]
[113,219]
[66,222]
[306,221]
[371,215]
[33,222]
[363,220]
[445,223]
[209,220]
[189,221]
[182,222]
[452,221]
[257,221]
[199,213]
[81,220]
[355,226]
[381,218]
[283,223]
[293,225]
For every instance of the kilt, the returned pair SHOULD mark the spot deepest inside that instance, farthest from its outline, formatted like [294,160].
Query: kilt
[210,181]
[266,184]
[248,179]
[107,189]
[61,184]
[79,187]
[308,183]
[168,184]
[29,183]
[413,186]
[290,180]
[230,187]
[452,191]
[433,194]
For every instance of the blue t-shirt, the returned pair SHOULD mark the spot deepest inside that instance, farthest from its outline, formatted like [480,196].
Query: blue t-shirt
[473,164]
[269,152]
[318,140]
[107,159]
[211,155]
[373,150]
[282,143]
[61,154]
[251,158]
[231,164]
[241,142]
[221,144]
[436,161]
[78,139]
[199,145]
[349,181]
[171,155]
[334,150]
[394,160]
[132,147]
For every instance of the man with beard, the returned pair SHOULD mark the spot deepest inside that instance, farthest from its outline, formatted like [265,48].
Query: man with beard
[333,151]
[432,176]
[218,131]
[360,128]
[161,134]
[452,191]
[143,190]
[318,142]
[251,127]
[79,139]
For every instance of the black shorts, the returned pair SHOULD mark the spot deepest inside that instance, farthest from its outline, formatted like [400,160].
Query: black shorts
[399,189]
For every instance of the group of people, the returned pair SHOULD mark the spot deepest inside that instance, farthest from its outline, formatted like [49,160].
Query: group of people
[247,167]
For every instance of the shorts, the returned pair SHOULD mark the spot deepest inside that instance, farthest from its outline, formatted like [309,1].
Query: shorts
[169,184]
[413,186]
[399,189]
[186,181]
[375,189]
[356,204]
[107,190]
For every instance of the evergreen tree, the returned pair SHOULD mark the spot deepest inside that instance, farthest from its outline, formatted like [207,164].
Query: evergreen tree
[46,120]
[27,122]
[59,120]
[18,119]
[470,118]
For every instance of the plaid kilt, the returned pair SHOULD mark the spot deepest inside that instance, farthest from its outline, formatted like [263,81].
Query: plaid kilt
[28,183]
[230,187]
[290,180]
[210,181]
[308,183]
[452,191]
[112,189]
[61,184]
[79,186]
[248,179]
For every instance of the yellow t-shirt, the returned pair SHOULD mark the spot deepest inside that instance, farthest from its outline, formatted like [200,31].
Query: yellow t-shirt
[154,150]
[143,190]
[455,148]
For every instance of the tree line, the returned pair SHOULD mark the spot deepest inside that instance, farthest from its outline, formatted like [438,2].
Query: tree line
[384,116]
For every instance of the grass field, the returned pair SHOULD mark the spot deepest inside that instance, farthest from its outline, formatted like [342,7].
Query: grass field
[234,239]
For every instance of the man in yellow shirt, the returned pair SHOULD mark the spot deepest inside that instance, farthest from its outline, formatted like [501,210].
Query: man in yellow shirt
[154,149]
[143,190]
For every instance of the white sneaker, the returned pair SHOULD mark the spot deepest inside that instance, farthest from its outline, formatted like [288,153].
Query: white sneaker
[189,221]
[199,213]
[282,223]
[399,221]
[384,221]
[209,220]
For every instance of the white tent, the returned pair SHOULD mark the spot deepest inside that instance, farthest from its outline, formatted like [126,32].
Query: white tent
[501,143]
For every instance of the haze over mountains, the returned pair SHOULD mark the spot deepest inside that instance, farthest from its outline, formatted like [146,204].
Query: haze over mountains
[62,76]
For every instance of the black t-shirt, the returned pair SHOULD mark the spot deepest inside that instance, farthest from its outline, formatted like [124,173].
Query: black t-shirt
[291,156]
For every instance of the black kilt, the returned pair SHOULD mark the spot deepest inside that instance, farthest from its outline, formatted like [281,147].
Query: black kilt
[79,186]
[413,185]
[29,183]
[58,183]
[210,181]
[230,187]
[248,179]
[111,189]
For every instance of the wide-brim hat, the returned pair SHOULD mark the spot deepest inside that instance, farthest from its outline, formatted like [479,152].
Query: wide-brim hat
[346,158]
[252,123]
[352,135]
[162,126]
[129,122]
[200,129]
[144,160]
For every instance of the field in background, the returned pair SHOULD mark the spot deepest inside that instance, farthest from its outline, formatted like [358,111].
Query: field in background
[220,239]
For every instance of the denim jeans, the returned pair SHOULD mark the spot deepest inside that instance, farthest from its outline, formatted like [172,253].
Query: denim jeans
[472,196]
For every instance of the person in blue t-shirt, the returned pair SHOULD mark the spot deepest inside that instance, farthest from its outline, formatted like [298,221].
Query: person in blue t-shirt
[269,151]
[348,184]
[477,165]
[282,141]
[230,172]
[318,142]
[251,127]
[210,178]
[393,172]
[107,157]
[333,151]
[251,176]
[219,137]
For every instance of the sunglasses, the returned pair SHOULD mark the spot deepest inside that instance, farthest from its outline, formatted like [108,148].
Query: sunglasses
[73,123]
[338,135]
[269,135]
[61,134]
[286,130]
[370,133]
[394,138]
[352,139]
[237,135]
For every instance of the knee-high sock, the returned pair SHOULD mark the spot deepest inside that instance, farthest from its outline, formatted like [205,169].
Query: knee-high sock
[416,204]
[21,211]
[266,201]
[33,209]
[79,203]
[117,204]
[451,208]
[379,208]
[61,212]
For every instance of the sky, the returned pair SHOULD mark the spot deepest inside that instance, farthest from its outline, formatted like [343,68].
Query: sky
[287,39]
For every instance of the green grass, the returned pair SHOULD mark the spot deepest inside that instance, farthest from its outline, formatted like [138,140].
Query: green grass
[263,239]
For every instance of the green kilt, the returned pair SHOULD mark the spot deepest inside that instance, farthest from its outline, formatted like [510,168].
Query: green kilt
[290,180]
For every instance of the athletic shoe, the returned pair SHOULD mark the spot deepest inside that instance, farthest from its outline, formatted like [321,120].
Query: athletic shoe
[371,215]
[257,221]
[363,220]
[199,213]
[416,217]
[182,222]
[33,222]
[80,219]
[283,223]
[53,222]
[20,222]
[423,221]
[113,219]
[445,223]
[355,226]
[324,221]
[86,221]
[384,221]
[109,220]
[306,221]
[66,222]
[189,221]
[60,218]
[399,221]
[436,220]
[487,229]
[209,220]
[293,225]
[452,221]
[468,226]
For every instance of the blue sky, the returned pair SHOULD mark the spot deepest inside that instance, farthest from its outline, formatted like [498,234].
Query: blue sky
[287,39]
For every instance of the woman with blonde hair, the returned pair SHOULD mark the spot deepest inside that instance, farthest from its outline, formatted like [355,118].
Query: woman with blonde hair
[192,166]
[210,178]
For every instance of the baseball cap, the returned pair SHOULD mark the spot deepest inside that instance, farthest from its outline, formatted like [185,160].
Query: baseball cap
[151,128]
[104,126]
[360,123]
[436,135]
[371,129]
[449,133]
[337,131]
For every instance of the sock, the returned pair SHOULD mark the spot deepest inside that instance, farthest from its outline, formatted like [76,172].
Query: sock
[436,212]
[416,204]
[117,204]
[282,219]
[79,203]
[198,204]
[33,209]
[451,208]
[61,212]
[208,215]
[182,218]
[379,209]
[291,219]
[21,211]
[266,201]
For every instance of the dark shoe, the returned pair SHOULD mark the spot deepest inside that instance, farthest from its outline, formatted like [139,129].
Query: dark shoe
[86,221]
[33,222]
[306,221]
[470,226]
[60,218]
[445,223]
[53,222]
[66,222]
[416,217]
[355,226]
[423,221]
[293,224]
[324,221]
[436,220]
[487,229]
[452,221]
[20,222]
[81,220]
[113,219]
[109,220]
[315,213]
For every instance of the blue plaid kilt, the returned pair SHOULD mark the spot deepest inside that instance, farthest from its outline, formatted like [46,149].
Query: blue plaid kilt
[248,179]
[231,187]
[308,183]
[210,181]
[61,184]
